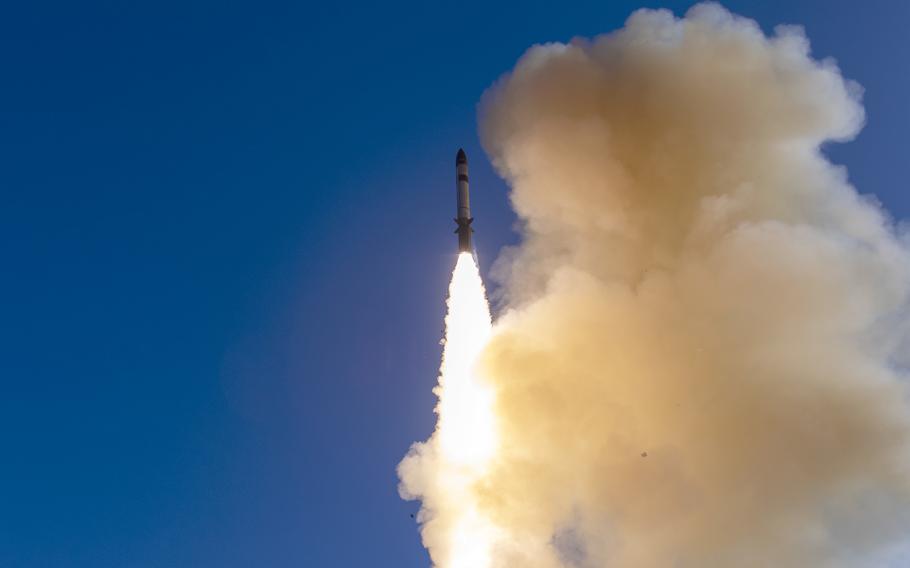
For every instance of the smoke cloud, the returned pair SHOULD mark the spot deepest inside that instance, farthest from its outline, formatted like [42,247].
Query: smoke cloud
[698,361]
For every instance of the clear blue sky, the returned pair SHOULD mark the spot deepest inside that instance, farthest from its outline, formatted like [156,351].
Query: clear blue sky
[225,234]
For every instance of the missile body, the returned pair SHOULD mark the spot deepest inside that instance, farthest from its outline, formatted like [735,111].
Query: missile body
[463,203]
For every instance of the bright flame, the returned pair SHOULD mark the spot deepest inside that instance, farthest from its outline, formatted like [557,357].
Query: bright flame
[443,472]
[466,427]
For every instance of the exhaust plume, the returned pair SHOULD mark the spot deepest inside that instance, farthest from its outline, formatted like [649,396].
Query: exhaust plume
[701,358]
[443,471]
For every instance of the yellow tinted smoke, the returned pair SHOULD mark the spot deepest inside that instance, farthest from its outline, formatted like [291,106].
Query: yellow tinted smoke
[698,361]
[701,358]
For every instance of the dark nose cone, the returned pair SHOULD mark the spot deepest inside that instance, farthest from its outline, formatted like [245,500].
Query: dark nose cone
[461,158]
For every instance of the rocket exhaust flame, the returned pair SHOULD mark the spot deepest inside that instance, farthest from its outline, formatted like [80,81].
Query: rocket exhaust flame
[466,432]
[443,472]
[701,358]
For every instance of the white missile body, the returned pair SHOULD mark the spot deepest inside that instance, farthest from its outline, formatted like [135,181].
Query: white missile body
[463,203]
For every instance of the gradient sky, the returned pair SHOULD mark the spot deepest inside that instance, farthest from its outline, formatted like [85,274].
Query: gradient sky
[225,234]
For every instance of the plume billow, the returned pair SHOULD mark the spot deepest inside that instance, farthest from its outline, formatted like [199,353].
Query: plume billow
[698,361]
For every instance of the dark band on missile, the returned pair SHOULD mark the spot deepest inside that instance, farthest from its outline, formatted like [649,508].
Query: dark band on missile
[462,177]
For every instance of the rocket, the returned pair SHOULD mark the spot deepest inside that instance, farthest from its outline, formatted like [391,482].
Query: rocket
[463,203]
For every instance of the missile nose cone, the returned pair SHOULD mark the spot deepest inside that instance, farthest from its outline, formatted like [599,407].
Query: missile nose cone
[461,158]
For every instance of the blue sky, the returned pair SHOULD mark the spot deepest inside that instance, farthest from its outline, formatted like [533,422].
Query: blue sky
[226,232]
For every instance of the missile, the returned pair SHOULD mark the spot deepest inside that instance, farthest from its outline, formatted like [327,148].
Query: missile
[462,200]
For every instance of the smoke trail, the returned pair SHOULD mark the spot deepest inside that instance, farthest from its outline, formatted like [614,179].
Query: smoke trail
[701,360]
[698,364]
[443,471]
